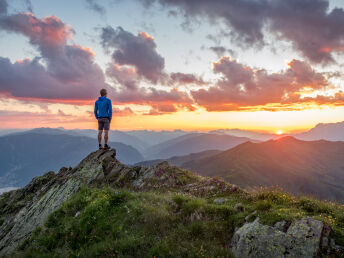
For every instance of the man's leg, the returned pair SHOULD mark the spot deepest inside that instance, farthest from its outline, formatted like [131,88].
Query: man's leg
[106,136]
[100,132]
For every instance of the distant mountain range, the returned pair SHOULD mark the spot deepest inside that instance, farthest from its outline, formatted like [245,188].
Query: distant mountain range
[26,155]
[308,167]
[191,143]
[114,135]
[330,132]
[246,133]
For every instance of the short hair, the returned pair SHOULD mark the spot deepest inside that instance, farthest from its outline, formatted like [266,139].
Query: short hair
[103,92]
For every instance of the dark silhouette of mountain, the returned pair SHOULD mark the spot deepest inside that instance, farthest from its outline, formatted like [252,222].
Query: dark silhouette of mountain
[180,160]
[193,143]
[114,135]
[26,155]
[308,167]
[330,132]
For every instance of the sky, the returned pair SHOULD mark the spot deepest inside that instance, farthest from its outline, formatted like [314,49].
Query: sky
[263,65]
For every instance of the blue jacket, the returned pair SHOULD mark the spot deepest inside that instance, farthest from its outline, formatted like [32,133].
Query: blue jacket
[103,108]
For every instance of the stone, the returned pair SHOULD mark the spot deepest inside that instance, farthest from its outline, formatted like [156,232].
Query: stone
[281,225]
[250,216]
[239,207]
[220,200]
[302,239]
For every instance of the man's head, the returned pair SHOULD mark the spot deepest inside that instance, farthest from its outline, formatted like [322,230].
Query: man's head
[103,92]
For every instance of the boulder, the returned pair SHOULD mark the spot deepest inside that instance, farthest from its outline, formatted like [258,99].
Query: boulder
[302,239]
[25,209]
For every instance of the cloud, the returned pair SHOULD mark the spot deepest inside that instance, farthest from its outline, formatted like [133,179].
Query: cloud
[244,88]
[3,7]
[63,71]
[28,5]
[138,51]
[93,5]
[313,29]
[186,79]
[221,51]
[157,99]
[127,111]
[16,119]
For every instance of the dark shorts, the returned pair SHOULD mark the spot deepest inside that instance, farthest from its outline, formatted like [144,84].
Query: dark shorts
[103,123]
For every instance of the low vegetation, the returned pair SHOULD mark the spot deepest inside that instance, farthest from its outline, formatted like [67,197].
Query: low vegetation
[110,222]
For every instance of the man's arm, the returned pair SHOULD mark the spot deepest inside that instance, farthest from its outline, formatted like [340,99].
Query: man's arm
[110,110]
[96,110]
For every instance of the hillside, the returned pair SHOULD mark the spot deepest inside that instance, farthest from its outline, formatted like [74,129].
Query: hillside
[26,155]
[308,167]
[192,143]
[102,208]
[180,160]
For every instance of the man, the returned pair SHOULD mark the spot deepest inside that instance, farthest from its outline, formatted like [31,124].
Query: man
[103,113]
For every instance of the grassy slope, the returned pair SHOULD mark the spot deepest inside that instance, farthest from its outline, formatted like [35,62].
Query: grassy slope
[121,222]
[314,168]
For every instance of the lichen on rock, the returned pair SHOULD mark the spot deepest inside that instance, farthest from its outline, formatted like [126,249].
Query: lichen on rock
[302,239]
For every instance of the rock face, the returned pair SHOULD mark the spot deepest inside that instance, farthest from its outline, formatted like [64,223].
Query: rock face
[303,238]
[23,210]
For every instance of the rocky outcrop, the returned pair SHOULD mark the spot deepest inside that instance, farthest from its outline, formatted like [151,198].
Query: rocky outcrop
[23,210]
[304,238]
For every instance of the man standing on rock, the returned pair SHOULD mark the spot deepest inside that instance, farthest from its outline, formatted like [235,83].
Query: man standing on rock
[103,113]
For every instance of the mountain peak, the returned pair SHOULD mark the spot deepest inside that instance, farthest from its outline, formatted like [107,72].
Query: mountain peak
[46,193]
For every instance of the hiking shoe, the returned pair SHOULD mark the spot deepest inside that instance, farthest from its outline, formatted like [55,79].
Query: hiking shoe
[100,147]
[107,147]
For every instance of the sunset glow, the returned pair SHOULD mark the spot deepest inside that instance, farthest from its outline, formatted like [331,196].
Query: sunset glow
[279,132]
[164,77]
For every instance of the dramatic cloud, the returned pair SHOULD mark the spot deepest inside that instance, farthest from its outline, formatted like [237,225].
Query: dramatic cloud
[67,72]
[242,87]
[159,100]
[134,58]
[312,28]
[138,51]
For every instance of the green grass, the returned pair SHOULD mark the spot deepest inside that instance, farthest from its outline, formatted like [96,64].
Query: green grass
[122,223]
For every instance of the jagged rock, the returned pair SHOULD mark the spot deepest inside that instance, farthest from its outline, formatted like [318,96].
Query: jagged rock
[25,209]
[302,239]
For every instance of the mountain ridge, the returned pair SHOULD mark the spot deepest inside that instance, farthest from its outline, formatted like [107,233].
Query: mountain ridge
[103,207]
[297,166]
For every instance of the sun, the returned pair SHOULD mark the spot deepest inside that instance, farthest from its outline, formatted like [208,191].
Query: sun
[279,132]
